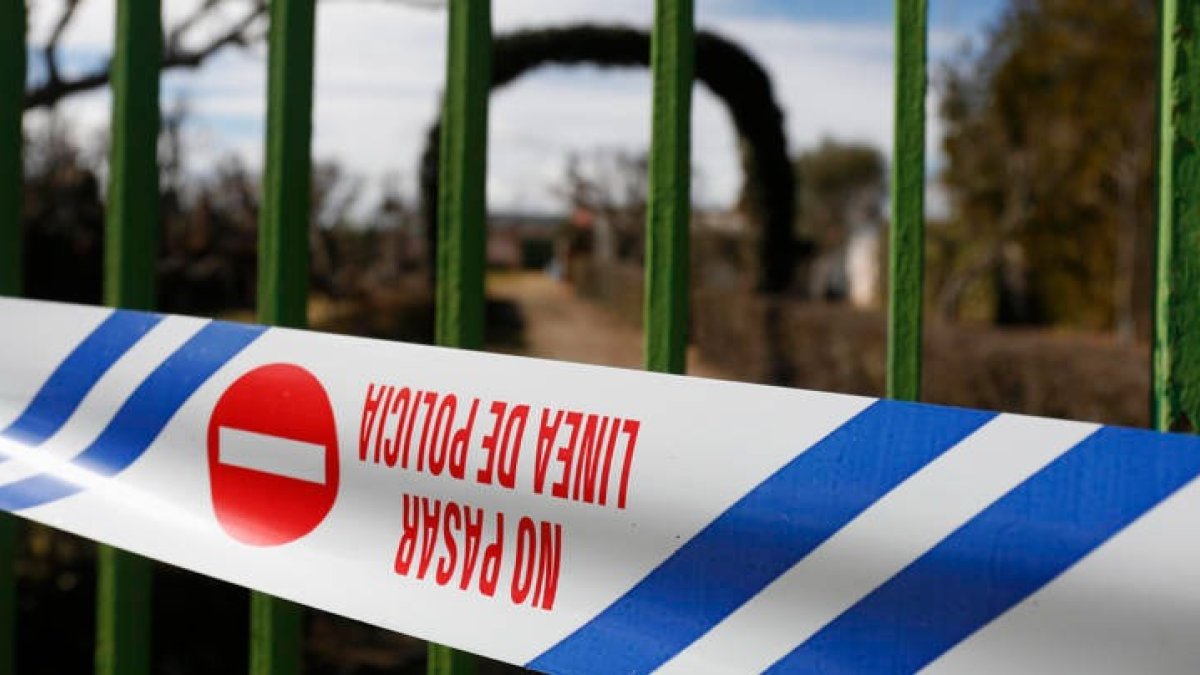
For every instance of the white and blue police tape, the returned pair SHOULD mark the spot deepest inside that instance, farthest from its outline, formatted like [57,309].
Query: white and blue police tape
[578,519]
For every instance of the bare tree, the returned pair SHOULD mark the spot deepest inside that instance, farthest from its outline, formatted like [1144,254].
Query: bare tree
[185,45]
[247,28]
[608,187]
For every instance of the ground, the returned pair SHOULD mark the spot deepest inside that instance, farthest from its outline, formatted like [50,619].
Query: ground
[560,325]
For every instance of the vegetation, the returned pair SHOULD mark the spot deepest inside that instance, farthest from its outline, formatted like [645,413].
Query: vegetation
[841,185]
[208,260]
[729,71]
[1049,144]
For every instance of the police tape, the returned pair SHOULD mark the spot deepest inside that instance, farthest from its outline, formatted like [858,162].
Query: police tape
[578,519]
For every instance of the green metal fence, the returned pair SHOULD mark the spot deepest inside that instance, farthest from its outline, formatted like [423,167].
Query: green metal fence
[123,609]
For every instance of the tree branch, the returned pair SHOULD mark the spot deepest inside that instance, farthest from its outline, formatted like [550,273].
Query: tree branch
[243,32]
[50,51]
[54,89]
[176,35]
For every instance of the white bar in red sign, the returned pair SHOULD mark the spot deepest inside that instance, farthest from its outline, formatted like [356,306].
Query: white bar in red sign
[271,454]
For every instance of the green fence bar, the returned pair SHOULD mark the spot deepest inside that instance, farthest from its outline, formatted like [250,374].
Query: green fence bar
[284,221]
[131,240]
[9,541]
[669,200]
[462,211]
[123,612]
[12,92]
[906,249]
[1176,359]
[276,635]
[462,202]
[276,625]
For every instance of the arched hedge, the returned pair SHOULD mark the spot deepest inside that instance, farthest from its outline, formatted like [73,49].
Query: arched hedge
[725,68]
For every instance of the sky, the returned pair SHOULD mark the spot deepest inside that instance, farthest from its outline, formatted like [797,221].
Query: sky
[379,70]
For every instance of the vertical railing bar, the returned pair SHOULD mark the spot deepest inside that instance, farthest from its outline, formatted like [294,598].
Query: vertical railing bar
[462,201]
[276,625]
[12,94]
[462,211]
[284,220]
[123,582]
[131,236]
[669,198]
[9,541]
[1175,365]
[906,252]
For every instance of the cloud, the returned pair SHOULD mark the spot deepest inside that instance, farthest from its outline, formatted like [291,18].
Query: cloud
[379,75]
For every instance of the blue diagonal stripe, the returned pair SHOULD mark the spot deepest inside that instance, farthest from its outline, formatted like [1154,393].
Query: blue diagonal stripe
[1009,551]
[143,415]
[761,536]
[70,382]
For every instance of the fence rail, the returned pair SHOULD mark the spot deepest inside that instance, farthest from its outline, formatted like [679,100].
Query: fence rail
[12,92]
[123,628]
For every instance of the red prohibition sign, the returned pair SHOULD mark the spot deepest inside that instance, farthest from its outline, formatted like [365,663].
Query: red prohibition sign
[272,455]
